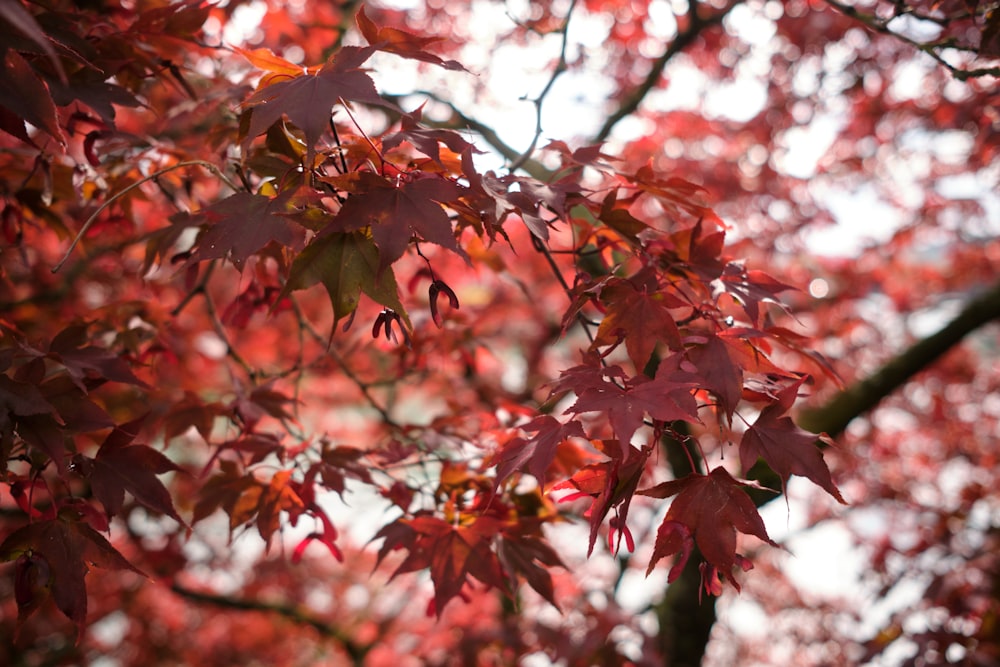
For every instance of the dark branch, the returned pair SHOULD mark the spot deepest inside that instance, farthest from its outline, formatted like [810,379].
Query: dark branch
[538,101]
[932,49]
[293,613]
[696,24]
[858,399]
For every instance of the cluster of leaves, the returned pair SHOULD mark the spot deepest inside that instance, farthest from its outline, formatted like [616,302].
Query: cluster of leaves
[201,352]
[678,333]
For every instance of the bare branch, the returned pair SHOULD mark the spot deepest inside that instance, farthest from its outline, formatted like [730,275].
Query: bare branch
[833,417]
[930,48]
[696,24]
[296,614]
[538,101]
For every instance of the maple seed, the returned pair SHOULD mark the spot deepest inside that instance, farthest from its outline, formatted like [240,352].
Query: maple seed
[384,323]
[437,287]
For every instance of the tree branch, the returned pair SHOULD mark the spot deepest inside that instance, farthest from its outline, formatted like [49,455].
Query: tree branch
[293,613]
[833,417]
[879,25]
[696,24]
[538,101]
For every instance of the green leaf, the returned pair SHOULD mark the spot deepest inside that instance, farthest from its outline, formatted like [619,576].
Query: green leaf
[346,264]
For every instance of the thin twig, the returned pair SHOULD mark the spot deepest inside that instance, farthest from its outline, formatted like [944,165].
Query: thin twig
[121,193]
[584,322]
[363,387]
[220,331]
[561,67]
[198,289]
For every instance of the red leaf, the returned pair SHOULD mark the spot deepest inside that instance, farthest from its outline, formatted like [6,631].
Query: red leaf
[279,496]
[16,15]
[242,224]
[530,557]
[228,490]
[27,96]
[85,362]
[407,45]
[626,400]
[120,467]
[720,373]
[640,316]
[56,554]
[611,484]
[786,448]
[752,288]
[708,509]
[426,140]
[538,451]
[308,99]
[452,554]
[396,213]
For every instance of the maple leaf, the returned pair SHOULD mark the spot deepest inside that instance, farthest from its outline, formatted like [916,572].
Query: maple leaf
[338,464]
[401,43]
[626,400]
[347,264]
[265,59]
[786,448]
[76,411]
[700,247]
[496,198]
[751,288]
[581,157]
[53,558]
[538,451]
[191,411]
[227,490]
[720,373]
[451,553]
[21,402]
[640,316]
[84,362]
[708,510]
[120,466]
[610,484]
[308,98]
[242,224]
[396,213]
[529,557]
[26,96]
[258,445]
[426,140]
[675,194]
[617,217]
[262,400]
[15,14]
[279,496]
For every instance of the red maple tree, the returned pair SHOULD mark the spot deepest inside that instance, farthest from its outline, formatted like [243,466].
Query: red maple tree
[288,375]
